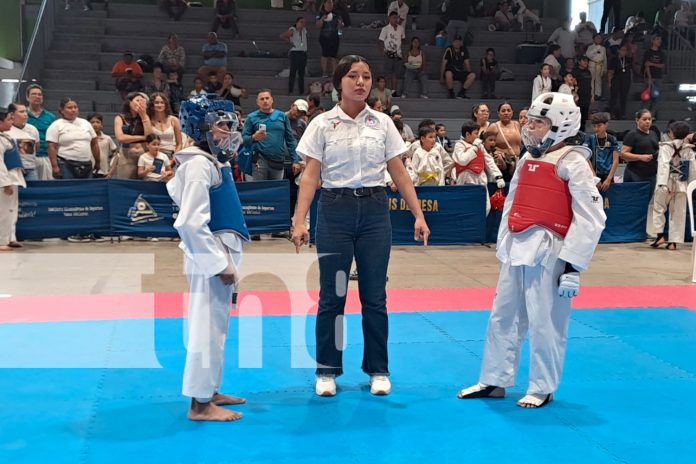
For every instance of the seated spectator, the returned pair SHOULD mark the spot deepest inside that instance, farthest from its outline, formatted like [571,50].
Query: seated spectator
[172,56]
[107,147]
[231,91]
[128,74]
[226,16]
[489,73]
[564,37]
[397,116]
[569,66]
[430,164]
[522,13]
[214,57]
[164,124]
[198,88]
[542,82]
[157,82]
[382,93]
[154,165]
[442,139]
[73,146]
[315,107]
[213,85]
[605,151]
[415,69]
[176,91]
[175,8]
[401,9]
[455,65]
[503,19]
[375,103]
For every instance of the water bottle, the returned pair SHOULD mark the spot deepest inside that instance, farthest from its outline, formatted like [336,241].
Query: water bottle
[414,26]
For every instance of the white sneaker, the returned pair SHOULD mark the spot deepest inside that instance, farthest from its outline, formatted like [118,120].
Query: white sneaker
[326,385]
[380,385]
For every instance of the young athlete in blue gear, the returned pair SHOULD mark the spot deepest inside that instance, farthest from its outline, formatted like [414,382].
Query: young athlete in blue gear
[552,220]
[212,230]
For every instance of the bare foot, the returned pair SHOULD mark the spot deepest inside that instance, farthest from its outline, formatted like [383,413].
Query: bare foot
[211,412]
[220,399]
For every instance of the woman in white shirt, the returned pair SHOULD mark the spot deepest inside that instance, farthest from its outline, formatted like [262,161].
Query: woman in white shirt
[415,69]
[552,58]
[297,36]
[542,82]
[73,146]
[164,124]
[347,150]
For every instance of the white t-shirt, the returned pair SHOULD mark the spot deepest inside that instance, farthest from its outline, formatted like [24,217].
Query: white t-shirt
[392,38]
[106,147]
[353,152]
[73,138]
[401,10]
[28,133]
[146,160]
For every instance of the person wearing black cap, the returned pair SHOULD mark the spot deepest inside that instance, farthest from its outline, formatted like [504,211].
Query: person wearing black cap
[456,66]
[128,74]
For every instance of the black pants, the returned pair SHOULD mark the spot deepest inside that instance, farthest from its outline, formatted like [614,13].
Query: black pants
[298,63]
[619,93]
[584,114]
[488,83]
[610,5]
[228,23]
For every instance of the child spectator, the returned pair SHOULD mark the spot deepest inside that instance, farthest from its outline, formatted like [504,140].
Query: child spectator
[213,84]
[569,86]
[11,178]
[442,139]
[597,55]
[489,73]
[107,147]
[676,167]
[430,164]
[605,151]
[542,82]
[197,88]
[154,165]
[382,93]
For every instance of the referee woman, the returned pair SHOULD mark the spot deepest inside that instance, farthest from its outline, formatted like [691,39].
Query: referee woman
[348,148]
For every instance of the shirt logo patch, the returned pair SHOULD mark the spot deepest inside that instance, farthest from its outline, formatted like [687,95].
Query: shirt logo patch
[335,124]
[371,122]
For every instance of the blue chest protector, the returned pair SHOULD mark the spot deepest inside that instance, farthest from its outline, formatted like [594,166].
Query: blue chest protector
[11,156]
[225,207]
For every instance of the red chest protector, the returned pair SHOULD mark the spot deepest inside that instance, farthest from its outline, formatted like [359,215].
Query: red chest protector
[476,165]
[542,198]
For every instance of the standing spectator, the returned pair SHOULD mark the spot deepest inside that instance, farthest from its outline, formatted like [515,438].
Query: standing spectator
[636,25]
[503,19]
[583,77]
[73,146]
[415,69]
[480,114]
[639,150]
[131,127]
[522,117]
[297,36]
[430,164]
[456,66]
[157,83]
[489,73]
[401,8]
[314,108]
[154,165]
[664,18]
[214,57]
[653,64]
[391,39]
[172,56]
[175,8]
[553,57]
[353,220]
[27,138]
[605,151]
[40,118]
[267,134]
[597,56]
[442,139]
[107,146]
[566,38]
[297,115]
[522,13]
[683,18]
[508,141]
[619,77]
[585,31]
[569,66]
[397,116]
[165,125]
[226,16]
[329,39]
[457,16]
[341,8]
[610,5]
[570,86]
[382,93]
[11,178]
[231,91]
[614,41]
[542,82]
[128,74]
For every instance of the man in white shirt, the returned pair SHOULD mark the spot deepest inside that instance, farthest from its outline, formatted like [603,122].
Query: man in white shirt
[566,38]
[27,138]
[584,31]
[391,39]
[401,9]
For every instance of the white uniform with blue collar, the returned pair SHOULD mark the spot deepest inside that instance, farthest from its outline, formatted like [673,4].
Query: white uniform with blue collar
[207,254]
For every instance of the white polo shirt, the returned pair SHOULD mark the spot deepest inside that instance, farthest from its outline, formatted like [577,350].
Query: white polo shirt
[353,152]
[401,10]
[73,138]
[392,38]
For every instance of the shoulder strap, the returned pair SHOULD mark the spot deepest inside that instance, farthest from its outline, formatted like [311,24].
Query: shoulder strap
[501,132]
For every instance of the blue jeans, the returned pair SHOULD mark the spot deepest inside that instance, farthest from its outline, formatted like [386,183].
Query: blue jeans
[262,171]
[65,171]
[352,227]
[30,174]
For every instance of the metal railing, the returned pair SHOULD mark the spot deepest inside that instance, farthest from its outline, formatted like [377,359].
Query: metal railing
[681,57]
[38,45]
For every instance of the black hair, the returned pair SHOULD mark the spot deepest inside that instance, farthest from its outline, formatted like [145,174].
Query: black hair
[314,99]
[475,108]
[152,137]
[399,124]
[31,87]
[426,123]
[600,117]
[64,101]
[468,127]
[503,104]
[680,129]
[641,112]
[264,91]
[372,101]
[439,126]
[343,67]
[5,111]
[485,134]
[425,131]
[98,116]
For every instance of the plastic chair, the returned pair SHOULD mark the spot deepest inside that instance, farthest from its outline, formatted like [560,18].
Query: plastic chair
[692,217]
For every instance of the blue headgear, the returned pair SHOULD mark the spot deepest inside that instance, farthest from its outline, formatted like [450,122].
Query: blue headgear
[200,114]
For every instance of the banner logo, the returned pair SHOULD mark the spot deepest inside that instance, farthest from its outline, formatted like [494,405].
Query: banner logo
[142,211]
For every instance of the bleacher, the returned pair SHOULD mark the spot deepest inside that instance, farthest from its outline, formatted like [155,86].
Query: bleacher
[86,45]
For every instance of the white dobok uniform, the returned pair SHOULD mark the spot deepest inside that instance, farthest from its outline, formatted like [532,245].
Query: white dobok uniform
[464,153]
[206,254]
[428,168]
[527,291]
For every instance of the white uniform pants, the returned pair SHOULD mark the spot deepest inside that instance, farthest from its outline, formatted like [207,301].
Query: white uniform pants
[208,323]
[676,203]
[43,168]
[9,205]
[527,300]
[596,70]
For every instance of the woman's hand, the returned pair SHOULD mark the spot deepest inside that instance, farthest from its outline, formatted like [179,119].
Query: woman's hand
[300,236]
[604,186]
[421,232]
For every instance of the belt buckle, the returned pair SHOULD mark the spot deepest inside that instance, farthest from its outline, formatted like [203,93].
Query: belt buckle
[359,192]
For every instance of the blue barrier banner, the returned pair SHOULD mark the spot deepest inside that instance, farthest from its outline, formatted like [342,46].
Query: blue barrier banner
[266,205]
[626,207]
[141,209]
[60,208]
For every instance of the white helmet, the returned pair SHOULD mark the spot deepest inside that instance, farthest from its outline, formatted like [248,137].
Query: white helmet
[563,116]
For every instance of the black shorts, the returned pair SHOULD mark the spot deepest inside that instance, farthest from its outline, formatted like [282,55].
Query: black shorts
[329,46]
[458,75]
